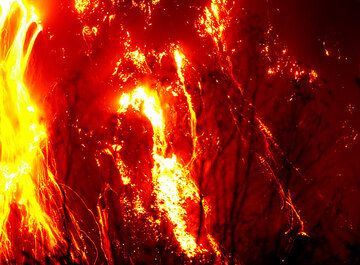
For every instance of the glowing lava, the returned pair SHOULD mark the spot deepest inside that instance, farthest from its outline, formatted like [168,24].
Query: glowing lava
[27,186]
[173,186]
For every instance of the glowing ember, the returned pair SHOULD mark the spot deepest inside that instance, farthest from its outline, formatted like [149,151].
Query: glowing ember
[215,21]
[82,5]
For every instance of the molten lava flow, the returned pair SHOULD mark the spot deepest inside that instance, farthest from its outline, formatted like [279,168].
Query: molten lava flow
[27,186]
[173,186]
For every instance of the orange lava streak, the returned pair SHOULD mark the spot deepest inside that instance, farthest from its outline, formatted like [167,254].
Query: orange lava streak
[179,59]
[285,196]
[26,183]
[104,226]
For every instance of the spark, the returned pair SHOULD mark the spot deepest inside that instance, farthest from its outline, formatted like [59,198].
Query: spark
[281,63]
[327,52]
[145,6]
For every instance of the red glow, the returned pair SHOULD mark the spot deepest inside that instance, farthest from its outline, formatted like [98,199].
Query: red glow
[172,132]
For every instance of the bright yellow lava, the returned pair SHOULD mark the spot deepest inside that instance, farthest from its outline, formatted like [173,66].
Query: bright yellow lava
[25,180]
[172,183]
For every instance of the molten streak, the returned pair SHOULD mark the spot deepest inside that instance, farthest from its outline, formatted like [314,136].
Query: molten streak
[179,59]
[172,184]
[103,224]
[26,182]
